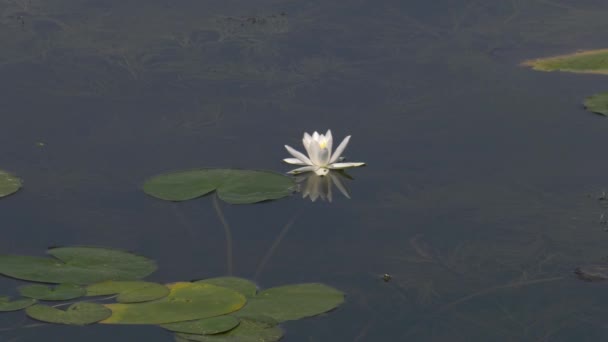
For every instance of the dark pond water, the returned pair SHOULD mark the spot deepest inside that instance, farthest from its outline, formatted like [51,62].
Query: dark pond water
[481,193]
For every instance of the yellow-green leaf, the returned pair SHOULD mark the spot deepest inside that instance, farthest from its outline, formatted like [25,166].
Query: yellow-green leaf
[205,326]
[129,291]
[185,302]
[77,314]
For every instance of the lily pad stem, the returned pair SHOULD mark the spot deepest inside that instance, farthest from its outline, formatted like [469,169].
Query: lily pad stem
[90,300]
[227,232]
[276,244]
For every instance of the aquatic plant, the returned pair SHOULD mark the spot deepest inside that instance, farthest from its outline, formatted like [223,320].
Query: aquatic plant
[215,309]
[320,157]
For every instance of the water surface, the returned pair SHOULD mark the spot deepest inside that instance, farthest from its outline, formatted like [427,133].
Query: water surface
[480,195]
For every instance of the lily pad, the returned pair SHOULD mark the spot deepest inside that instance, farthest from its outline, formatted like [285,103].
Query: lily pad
[7,305]
[244,286]
[293,302]
[185,302]
[597,103]
[9,184]
[232,186]
[206,326]
[587,62]
[247,331]
[129,291]
[77,314]
[77,265]
[59,292]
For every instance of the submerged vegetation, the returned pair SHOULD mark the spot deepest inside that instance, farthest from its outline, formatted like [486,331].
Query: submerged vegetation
[215,309]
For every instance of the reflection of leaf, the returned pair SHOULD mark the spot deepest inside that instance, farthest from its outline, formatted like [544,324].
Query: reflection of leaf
[205,326]
[233,186]
[185,302]
[78,265]
[247,331]
[244,286]
[129,291]
[7,305]
[78,314]
[9,184]
[293,302]
[59,292]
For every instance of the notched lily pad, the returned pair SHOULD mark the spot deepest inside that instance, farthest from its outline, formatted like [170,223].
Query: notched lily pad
[77,265]
[232,186]
[9,184]
[587,62]
[59,292]
[76,314]
[244,286]
[7,305]
[247,331]
[185,302]
[293,302]
[597,103]
[206,326]
[129,291]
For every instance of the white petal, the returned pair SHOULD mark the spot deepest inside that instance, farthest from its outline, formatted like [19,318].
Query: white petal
[294,161]
[298,155]
[302,169]
[336,166]
[330,141]
[338,152]
[315,136]
[306,140]
[313,153]
[322,156]
[321,171]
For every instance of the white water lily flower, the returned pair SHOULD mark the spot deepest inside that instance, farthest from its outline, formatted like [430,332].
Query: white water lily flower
[320,157]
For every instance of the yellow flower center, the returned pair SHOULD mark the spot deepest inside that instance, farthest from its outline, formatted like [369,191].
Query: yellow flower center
[323,144]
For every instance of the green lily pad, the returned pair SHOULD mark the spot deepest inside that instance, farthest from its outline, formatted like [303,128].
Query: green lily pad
[129,291]
[185,302]
[9,184]
[77,314]
[260,319]
[59,292]
[587,62]
[7,305]
[293,302]
[247,331]
[597,103]
[244,286]
[206,326]
[77,265]
[232,186]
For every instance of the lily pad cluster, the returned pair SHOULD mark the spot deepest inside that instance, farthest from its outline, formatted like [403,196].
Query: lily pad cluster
[232,185]
[216,309]
[584,62]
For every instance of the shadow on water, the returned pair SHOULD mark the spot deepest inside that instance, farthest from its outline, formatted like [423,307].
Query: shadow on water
[480,197]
